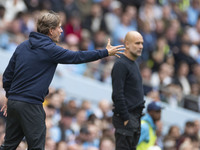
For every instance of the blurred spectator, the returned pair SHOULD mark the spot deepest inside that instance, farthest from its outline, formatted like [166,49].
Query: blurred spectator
[74,146]
[79,121]
[163,77]
[33,5]
[159,134]
[191,101]
[149,12]
[160,28]
[172,35]
[171,138]
[184,20]
[27,23]
[148,127]
[3,22]
[104,109]
[186,145]
[189,134]
[154,95]
[149,40]
[172,94]
[160,54]
[107,143]
[181,77]
[49,110]
[193,12]
[114,15]
[84,7]
[50,144]
[15,6]
[73,25]
[93,70]
[195,76]
[70,7]
[194,33]
[95,21]
[136,3]
[62,145]
[132,12]
[62,131]
[71,106]
[167,14]
[146,74]
[197,128]
[184,55]
[122,28]
[83,136]
[99,40]
[87,106]
[106,72]
[93,137]
[105,4]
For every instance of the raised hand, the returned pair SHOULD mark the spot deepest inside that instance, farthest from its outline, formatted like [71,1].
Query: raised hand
[114,50]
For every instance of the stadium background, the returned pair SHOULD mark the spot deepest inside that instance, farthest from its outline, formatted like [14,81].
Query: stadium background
[169,66]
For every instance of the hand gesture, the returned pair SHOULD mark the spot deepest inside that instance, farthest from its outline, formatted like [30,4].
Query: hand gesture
[114,50]
[4,108]
[126,122]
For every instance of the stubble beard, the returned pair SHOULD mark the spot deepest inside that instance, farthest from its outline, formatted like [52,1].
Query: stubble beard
[136,54]
[57,40]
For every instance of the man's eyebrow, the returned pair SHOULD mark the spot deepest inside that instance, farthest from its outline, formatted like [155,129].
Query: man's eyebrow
[139,42]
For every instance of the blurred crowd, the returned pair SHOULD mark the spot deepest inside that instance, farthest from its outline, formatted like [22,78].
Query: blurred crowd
[170,62]
[82,125]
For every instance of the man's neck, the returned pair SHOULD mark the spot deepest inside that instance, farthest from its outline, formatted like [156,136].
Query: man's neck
[129,56]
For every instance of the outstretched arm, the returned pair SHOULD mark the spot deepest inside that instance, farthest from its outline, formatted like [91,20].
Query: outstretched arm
[64,56]
[114,50]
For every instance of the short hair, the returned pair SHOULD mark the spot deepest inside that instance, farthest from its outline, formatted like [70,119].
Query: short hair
[47,21]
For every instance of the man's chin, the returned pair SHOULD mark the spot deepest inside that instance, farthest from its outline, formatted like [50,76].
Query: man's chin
[57,41]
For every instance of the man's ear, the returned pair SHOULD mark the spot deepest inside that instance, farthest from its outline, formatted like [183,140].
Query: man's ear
[50,31]
[126,44]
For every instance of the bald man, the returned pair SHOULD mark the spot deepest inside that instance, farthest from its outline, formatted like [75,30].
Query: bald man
[128,94]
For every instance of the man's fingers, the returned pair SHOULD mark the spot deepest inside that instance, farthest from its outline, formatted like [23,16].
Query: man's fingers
[119,46]
[4,113]
[108,42]
[2,109]
[121,49]
[120,52]
[117,55]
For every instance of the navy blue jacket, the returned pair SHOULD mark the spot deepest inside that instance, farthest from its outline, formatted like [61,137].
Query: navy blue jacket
[33,64]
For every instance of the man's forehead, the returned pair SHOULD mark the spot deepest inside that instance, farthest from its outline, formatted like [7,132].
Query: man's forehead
[139,39]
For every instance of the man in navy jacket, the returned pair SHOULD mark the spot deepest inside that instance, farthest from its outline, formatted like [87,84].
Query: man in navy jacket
[28,76]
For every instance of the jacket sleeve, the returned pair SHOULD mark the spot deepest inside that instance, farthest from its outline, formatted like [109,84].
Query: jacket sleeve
[8,75]
[118,75]
[64,56]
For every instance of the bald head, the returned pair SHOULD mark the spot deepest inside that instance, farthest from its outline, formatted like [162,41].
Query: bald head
[134,44]
[132,35]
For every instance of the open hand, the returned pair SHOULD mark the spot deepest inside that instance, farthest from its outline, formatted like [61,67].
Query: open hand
[114,50]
